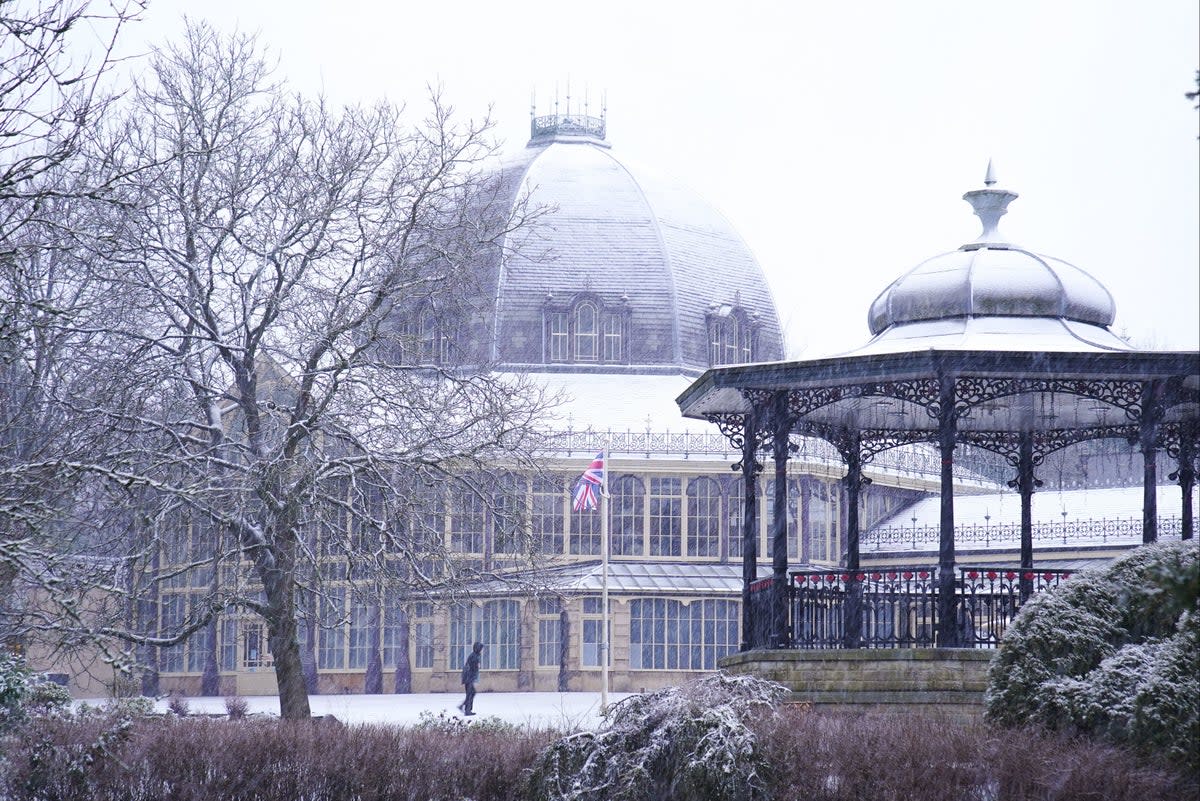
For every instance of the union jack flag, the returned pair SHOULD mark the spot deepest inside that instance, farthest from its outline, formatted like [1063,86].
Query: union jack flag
[587,489]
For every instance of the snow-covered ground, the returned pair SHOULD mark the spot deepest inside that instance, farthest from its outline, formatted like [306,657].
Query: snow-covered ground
[565,711]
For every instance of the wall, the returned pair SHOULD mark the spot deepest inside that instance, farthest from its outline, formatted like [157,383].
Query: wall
[948,680]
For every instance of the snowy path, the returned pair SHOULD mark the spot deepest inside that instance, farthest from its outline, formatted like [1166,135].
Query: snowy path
[566,711]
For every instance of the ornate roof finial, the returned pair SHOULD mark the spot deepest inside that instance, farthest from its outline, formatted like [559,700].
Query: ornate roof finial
[990,205]
[567,124]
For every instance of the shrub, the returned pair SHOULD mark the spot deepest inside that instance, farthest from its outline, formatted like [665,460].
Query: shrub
[686,742]
[178,705]
[236,707]
[1110,654]
[24,693]
[895,756]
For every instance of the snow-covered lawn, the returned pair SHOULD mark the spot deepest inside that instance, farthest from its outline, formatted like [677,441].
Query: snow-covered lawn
[566,711]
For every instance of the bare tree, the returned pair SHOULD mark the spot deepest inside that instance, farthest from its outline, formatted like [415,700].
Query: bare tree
[50,95]
[268,253]
[50,101]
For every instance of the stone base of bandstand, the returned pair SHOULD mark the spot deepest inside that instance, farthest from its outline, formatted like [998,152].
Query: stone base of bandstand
[942,681]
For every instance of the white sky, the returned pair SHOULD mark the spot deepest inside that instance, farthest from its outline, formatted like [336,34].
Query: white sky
[838,137]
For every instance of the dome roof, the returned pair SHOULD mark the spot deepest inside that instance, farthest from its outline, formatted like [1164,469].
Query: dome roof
[993,286]
[633,244]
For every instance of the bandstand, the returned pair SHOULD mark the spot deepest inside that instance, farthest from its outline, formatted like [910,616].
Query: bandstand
[990,346]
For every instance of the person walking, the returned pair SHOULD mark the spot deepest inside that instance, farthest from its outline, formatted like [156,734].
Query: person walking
[470,675]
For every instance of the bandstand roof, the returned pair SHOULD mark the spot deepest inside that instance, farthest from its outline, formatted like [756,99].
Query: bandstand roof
[1021,338]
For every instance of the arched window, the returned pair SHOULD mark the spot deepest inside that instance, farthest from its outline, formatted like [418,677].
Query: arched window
[730,335]
[627,502]
[586,330]
[704,517]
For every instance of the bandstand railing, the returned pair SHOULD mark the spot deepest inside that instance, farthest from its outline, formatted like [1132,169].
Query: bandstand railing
[897,606]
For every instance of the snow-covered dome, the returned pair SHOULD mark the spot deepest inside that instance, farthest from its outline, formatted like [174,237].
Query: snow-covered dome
[991,293]
[630,272]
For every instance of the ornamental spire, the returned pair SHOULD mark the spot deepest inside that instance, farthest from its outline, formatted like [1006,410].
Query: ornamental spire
[990,205]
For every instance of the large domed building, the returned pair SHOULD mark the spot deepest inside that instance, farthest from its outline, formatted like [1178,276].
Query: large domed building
[631,272]
[620,295]
[624,288]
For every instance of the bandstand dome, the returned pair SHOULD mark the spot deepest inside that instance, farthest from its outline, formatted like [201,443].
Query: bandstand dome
[661,266]
[993,294]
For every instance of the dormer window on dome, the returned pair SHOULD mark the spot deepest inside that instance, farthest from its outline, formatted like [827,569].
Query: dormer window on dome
[585,329]
[732,334]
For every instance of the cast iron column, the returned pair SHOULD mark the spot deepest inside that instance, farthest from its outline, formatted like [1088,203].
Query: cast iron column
[1187,476]
[1025,485]
[1148,423]
[853,482]
[947,625]
[749,528]
[779,551]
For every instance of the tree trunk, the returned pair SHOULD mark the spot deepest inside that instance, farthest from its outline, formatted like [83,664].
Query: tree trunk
[403,679]
[279,585]
[373,680]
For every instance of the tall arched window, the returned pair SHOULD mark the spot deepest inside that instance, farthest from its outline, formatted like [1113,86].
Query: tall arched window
[585,332]
[704,517]
[627,502]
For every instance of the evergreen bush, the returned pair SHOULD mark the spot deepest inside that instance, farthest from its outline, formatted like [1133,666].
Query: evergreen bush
[682,743]
[1111,654]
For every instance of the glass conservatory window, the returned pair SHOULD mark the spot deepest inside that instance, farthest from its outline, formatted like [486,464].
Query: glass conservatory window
[704,517]
[627,504]
[360,635]
[585,532]
[546,516]
[331,642]
[670,635]
[593,625]
[423,635]
[665,516]
[549,632]
[496,624]
[730,337]
[466,521]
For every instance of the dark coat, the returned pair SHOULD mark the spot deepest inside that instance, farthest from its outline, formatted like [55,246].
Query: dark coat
[470,671]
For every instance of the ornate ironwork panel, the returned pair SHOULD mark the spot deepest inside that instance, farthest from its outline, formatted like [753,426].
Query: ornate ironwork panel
[1007,443]
[922,392]
[899,604]
[990,598]
[970,391]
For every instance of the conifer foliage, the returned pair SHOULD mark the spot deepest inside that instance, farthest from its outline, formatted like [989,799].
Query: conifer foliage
[1112,654]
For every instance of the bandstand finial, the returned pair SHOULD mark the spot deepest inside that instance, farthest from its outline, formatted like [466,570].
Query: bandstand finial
[990,204]
[989,178]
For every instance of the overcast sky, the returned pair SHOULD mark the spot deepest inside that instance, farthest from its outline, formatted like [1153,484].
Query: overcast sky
[838,137]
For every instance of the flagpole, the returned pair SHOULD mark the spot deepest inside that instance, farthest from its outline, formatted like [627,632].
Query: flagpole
[604,585]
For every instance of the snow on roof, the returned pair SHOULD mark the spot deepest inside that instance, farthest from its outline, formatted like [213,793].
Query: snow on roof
[638,578]
[992,522]
[1004,508]
[608,402]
